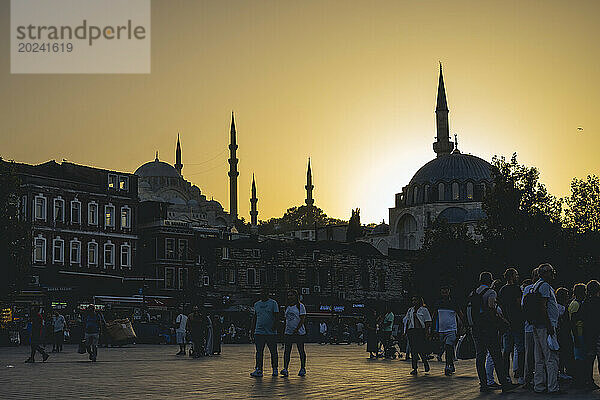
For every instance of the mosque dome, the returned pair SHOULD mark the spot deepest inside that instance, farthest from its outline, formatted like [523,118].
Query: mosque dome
[451,168]
[157,168]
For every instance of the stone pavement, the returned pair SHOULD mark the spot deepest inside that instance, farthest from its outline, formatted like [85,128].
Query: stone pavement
[154,372]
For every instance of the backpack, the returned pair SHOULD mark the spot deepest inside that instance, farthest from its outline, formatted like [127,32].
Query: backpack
[532,305]
[476,310]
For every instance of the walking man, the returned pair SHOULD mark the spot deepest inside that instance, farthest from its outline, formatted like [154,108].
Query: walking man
[37,322]
[484,319]
[323,332]
[509,299]
[446,319]
[418,329]
[180,331]
[544,326]
[91,328]
[266,312]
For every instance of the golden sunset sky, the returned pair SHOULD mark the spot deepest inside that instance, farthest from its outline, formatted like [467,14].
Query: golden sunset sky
[352,84]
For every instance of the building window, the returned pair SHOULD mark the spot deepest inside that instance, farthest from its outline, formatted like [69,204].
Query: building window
[230,275]
[112,181]
[441,192]
[170,248]
[125,256]
[415,194]
[123,183]
[92,258]
[426,194]
[182,249]
[92,213]
[23,209]
[125,217]
[469,191]
[39,249]
[109,255]
[182,278]
[75,252]
[455,191]
[58,250]
[109,216]
[75,212]
[169,278]
[59,210]
[206,280]
[40,208]
[251,274]
[225,253]
[256,253]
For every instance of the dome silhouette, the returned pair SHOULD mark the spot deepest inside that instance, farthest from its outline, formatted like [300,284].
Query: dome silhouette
[453,167]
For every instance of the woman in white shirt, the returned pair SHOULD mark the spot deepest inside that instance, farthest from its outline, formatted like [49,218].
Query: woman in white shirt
[418,327]
[294,332]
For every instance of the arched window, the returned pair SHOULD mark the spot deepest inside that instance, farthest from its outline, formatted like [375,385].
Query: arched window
[469,191]
[441,192]
[455,191]
[426,194]
[415,194]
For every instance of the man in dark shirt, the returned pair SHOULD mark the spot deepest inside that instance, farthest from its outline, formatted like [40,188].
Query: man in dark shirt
[37,324]
[509,300]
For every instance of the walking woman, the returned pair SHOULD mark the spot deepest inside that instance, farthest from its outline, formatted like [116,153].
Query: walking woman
[295,332]
[418,327]
[371,326]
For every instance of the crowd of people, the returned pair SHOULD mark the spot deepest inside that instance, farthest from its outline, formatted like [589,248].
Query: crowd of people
[550,337]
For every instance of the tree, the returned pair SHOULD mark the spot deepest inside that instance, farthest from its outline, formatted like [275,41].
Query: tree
[355,229]
[15,233]
[303,217]
[523,221]
[583,206]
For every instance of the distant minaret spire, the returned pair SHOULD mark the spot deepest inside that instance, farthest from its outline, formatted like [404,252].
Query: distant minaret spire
[233,172]
[253,209]
[156,159]
[309,186]
[442,145]
[178,164]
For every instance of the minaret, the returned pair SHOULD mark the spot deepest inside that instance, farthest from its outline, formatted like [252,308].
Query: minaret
[178,165]
[442,145]
[253,201]
[309,186]
[233,173]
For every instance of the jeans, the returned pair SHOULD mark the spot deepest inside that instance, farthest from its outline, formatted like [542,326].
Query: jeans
[486,340]
[289,341]
[529,358]
[546,363]
[91,343]
[416,338]
[448,341]
[510,340]
[271,342]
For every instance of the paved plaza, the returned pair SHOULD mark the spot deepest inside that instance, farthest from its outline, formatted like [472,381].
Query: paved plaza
[154,372]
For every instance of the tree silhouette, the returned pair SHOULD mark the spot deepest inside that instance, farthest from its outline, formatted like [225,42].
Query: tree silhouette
[583,206]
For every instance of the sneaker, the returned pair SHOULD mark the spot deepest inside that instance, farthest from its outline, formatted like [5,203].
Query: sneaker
[284,373]
[509,387]
[275,373]
[302,372]
[29,360]
[257,373]
[447,371]
[494,386]
[452,368]
[413,372]
[45,357]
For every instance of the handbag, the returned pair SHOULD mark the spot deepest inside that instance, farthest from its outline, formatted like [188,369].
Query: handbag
[465,350]
[82,348]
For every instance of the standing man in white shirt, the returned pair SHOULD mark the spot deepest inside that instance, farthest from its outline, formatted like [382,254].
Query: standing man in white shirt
[180,331]
[418,328]
[294,332]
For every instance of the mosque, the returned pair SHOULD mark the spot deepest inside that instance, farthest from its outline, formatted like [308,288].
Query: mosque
[450,187]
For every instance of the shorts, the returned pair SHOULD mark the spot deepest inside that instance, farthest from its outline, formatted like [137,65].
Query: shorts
[448,338]
[295,338]
[180,337]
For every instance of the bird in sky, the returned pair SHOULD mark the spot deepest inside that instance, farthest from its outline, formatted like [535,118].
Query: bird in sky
[580,129]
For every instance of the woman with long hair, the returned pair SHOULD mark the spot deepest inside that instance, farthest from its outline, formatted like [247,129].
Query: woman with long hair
[295,332]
